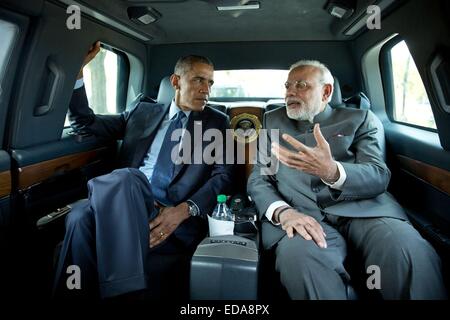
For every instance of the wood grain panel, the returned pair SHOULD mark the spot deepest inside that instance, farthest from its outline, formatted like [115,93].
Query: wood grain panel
[35,173]
[437,177]
[5,183]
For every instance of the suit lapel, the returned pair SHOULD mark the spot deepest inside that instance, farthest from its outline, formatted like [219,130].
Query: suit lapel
[153,119]
[305,129]
[310,141]
[304,134]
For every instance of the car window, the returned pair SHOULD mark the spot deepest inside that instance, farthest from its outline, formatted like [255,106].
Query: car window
[411,103]
[8,33]
[100,80]
[103,77]
[249,83]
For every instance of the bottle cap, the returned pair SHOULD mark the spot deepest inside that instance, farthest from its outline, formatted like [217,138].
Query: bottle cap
[221,198]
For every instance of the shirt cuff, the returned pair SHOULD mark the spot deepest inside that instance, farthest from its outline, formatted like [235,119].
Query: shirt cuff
[274,206]
[342,177]
[78,84]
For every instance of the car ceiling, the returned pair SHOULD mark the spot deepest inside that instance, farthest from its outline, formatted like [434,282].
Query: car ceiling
[190,21]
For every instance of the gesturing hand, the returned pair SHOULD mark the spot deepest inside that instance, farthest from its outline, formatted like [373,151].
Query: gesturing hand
[165,223]
[317,161]
[93,50]
[291,220]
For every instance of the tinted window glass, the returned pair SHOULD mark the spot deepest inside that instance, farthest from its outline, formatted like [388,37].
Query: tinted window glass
[411,104]
[249,84]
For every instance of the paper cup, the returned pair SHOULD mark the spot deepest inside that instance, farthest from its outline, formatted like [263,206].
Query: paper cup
[220,227]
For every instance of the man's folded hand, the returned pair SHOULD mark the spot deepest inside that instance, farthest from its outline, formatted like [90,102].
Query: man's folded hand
[168,219]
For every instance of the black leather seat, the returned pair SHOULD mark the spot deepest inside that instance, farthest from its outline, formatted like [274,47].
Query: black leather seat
[166,91]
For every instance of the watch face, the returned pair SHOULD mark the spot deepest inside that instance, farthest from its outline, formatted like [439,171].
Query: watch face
[192,210]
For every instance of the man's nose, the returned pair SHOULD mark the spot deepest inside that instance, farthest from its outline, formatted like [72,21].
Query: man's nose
[205,88]
[290,92]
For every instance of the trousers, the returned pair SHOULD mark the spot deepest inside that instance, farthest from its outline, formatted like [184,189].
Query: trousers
[408,266]
[107,236]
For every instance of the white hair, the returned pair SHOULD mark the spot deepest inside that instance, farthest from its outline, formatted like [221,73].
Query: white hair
[327,77]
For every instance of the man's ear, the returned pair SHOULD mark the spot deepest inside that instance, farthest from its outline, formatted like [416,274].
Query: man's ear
[327,91]
[175,81]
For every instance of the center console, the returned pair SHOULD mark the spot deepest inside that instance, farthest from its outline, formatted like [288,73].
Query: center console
[226,267]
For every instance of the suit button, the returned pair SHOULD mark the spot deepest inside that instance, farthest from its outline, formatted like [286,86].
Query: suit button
[316,190]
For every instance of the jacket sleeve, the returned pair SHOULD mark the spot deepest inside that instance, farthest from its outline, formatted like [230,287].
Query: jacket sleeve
[84,120]
[262,183]
[368,176]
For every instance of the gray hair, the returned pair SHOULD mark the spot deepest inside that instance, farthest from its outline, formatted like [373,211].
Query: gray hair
[327,77]
[184,64]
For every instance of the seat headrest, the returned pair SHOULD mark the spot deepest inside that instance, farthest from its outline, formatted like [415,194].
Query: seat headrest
[218,107]
[336,98]
[274,106]
[166,91]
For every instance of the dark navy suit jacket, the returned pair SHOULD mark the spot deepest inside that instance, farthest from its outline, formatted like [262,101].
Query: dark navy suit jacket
[137,128]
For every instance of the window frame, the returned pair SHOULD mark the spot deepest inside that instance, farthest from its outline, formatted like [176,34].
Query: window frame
[123,70]
[388,84]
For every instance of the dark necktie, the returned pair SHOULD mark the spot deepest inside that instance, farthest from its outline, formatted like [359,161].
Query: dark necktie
[164,167]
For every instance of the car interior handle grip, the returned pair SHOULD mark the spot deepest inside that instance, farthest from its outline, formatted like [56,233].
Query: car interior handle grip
[51,82]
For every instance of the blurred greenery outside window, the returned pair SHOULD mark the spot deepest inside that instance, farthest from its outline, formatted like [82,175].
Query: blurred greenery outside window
[411,103]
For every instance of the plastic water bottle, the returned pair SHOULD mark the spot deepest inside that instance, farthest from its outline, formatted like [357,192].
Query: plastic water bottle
[221,211]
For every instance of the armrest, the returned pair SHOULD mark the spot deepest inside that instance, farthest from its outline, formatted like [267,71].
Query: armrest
[225,267]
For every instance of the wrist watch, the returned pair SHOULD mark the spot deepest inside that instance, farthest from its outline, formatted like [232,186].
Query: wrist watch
[193,209]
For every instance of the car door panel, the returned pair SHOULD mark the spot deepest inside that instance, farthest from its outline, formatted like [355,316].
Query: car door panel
[5,174]
[49,176]
[421,182]
[5,188]
[436,177]
[420,173]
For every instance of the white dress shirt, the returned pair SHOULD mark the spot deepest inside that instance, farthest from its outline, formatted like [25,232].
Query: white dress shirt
[152,155]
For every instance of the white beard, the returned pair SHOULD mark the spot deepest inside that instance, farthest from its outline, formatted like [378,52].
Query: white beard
[304,113]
